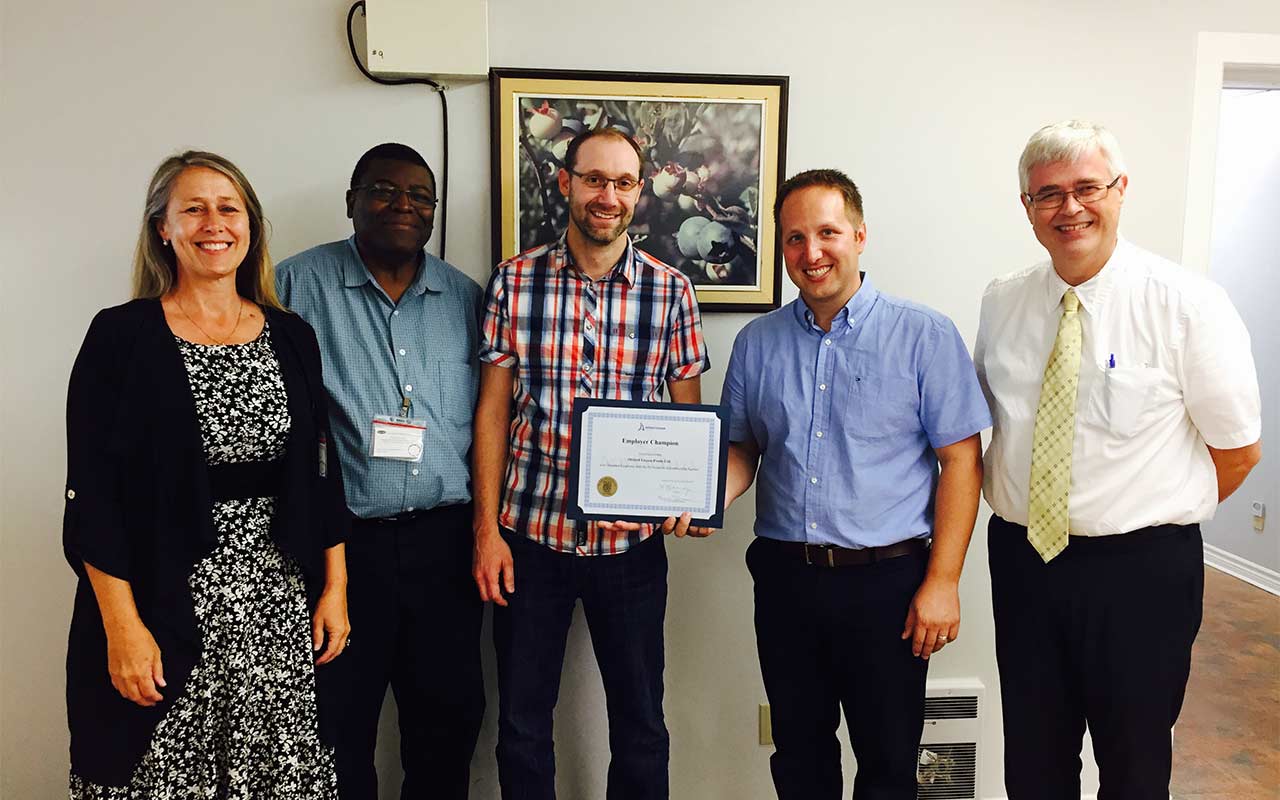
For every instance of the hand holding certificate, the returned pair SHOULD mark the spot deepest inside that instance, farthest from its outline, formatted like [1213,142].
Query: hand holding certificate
[646,462]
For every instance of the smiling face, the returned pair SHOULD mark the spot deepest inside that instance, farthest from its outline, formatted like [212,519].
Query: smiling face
[397,229]
[602,215]
[1079,237]
[821,242]
[206,224]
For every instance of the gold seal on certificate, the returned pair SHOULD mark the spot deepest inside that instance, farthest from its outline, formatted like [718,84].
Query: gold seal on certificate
[645,462]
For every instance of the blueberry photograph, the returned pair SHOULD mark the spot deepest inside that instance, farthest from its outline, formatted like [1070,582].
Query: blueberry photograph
[713,148]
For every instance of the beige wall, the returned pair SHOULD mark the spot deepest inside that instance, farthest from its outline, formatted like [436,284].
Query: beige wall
[927,105]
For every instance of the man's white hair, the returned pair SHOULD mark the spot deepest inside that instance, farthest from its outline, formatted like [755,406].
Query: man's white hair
[1069,140]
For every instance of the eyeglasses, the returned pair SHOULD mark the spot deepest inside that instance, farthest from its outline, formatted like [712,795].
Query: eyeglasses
[389,193]
[594,180]
[1055,198]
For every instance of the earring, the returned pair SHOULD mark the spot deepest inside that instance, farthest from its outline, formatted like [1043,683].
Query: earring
[164,242]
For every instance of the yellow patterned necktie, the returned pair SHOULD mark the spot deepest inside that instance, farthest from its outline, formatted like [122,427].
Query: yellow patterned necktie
[1049,517]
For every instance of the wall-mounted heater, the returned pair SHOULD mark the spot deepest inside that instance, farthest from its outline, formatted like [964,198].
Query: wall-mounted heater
[947,768]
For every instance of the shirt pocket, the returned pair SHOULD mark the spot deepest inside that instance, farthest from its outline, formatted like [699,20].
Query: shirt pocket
[634,383]
[1126,393]
[459,384]
[882,405]
[633,350]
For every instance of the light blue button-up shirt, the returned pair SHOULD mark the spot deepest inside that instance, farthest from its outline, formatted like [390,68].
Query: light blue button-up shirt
[376,353]
[847,421]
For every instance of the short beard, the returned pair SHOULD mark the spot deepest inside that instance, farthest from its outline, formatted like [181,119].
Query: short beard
[581,222]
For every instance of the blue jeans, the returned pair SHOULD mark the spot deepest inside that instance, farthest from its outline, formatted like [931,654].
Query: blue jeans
[624,598]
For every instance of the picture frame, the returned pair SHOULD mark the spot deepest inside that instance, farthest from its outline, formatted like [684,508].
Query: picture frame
[715,149]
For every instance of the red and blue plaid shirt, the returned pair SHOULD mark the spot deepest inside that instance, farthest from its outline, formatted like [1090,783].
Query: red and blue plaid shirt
[620,337]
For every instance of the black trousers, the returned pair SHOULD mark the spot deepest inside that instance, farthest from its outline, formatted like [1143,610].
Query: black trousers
[831,638]
[415,624]
[1100,636]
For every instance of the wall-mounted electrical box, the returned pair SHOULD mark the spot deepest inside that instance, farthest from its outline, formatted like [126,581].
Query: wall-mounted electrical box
[444,40]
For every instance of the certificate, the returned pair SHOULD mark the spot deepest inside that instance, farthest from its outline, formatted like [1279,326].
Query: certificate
[644,462]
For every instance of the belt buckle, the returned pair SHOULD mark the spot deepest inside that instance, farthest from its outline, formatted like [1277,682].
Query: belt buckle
[831,557]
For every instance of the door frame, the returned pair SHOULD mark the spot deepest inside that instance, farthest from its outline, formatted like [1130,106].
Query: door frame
[1219,58]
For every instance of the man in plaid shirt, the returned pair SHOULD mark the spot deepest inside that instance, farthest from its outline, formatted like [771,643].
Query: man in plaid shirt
[588,315]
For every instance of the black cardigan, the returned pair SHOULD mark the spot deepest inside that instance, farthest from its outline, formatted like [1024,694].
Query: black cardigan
[139,507]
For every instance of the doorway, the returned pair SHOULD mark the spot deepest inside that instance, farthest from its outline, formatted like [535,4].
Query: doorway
[1226,742]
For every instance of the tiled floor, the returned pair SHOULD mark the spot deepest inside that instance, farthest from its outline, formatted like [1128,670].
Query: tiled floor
[1227,742]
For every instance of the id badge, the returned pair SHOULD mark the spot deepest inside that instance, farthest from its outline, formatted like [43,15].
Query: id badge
[398,438]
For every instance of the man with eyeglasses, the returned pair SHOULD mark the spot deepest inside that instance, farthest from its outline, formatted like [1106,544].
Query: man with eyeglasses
[398,329]
[587,315]
[1126,408]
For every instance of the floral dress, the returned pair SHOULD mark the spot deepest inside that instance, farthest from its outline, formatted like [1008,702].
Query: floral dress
[245,726]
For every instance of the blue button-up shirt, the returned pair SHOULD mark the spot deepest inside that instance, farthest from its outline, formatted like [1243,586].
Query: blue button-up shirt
[847,421]
[377,353]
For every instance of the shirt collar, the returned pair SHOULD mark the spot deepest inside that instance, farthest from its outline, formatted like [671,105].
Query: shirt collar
[854,311]
[355,273]
[1094,292]
[626,266]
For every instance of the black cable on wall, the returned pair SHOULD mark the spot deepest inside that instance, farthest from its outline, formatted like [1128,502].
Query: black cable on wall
[444,114]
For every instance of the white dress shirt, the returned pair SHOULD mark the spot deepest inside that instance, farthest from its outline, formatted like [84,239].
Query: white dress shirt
[1165,368]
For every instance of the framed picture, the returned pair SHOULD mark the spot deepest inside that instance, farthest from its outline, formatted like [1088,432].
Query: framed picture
[714,147]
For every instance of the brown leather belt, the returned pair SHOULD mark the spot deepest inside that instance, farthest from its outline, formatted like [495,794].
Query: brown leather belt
[829,555]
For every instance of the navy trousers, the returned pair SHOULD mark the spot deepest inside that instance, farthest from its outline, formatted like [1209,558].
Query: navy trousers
[1100,636]
[830,637]
[624,599]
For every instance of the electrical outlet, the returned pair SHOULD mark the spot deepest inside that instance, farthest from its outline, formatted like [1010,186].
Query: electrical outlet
[766,726]
[1259,515]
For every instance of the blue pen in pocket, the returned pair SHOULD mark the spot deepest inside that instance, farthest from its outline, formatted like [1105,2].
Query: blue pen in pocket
[1111,363]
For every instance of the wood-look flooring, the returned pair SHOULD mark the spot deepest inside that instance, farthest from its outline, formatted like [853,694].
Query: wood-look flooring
[1226,745]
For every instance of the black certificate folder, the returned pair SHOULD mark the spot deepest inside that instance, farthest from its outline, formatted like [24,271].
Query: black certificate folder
[644,462]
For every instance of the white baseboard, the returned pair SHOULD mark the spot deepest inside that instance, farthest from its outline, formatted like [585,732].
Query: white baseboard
[1244,569]
[1082,797]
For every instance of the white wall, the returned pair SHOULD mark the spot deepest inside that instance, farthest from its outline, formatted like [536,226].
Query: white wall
[1245,259]
[927,105]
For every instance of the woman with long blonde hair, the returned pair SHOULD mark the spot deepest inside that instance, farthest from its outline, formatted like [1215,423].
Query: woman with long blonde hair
[204,517]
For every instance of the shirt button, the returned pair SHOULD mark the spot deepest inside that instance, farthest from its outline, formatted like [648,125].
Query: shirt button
[401,351]
[631,336]
[827,342]
[588,326]
[415,472]
[408,387]
[410,508]
[813,525]
[71,494]
[822,387]
[811,480]
[395,313]
[819,434]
